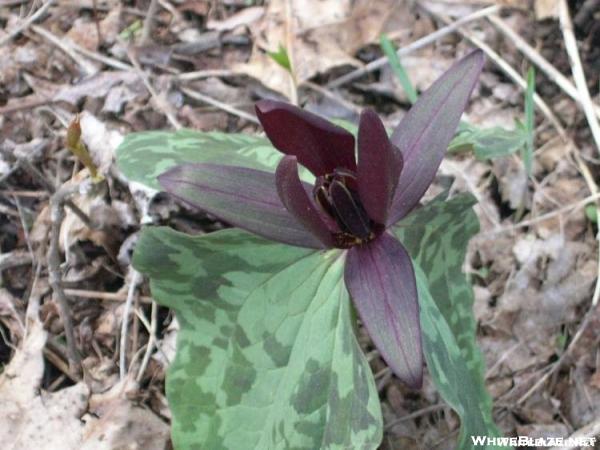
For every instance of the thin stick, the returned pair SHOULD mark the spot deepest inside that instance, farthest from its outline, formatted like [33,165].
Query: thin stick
[589,431]
[576,68]
[216,103]
[588,107]
[556,365]
[151,341]
[416,45]
[332,95]
[136,278]
[149,22]
[87,67]
[414,415]
[550,215]
[200,74]
[160,102]
[26,23]
[289,46]
[506,67]
[97,22]
[57,215]
[593,187]
[20,193]
[106,60]
[108,296]
[551,72]
[35,173]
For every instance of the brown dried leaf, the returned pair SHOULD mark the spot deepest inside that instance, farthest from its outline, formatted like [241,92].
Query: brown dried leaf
[121,425]
[244,17]
[317,34]
[33,419]
[85,32]
[10,317]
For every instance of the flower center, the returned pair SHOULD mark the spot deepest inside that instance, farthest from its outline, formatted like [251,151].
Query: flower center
[336,193]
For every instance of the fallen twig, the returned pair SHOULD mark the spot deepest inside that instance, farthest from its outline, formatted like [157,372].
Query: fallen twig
[57,215]
[416,45]
[87,67]
[551,72]
[591,430]
[160,102]
[550,215]
[507,68]
[576,68]
[26,23]
[151,341]
[149,22]
[216,103]
[107,296]
[136,279]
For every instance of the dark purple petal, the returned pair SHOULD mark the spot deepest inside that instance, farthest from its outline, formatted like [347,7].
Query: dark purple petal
[318,144]
[379,166]
[424,133]
[246,198]
[349,211]
[293,194]
[381,281]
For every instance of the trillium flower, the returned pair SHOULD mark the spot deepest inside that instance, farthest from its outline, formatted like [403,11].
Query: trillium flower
[353,202]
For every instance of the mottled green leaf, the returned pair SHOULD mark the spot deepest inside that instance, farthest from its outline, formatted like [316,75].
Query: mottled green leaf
[436,237]
[488,143]
[145,155]
[266,354]
[449,370]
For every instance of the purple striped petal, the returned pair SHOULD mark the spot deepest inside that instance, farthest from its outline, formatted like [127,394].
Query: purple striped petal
[318,144]
[245,198]
[379,166]
[424,133]
[381,281]
[294,195]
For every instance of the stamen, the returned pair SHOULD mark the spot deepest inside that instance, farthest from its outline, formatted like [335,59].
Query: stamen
[349,211]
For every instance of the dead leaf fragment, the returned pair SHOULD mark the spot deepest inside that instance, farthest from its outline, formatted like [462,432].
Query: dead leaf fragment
[33,419]
[245,17]
[317,34]
[545,9]
[122,425]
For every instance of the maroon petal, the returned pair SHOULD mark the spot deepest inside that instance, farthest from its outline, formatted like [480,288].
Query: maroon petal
[293,194]
[424,133]
[318,144]
[246,198]
[379,166]
[381,281]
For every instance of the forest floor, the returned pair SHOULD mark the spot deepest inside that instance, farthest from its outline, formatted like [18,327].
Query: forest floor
[139,65]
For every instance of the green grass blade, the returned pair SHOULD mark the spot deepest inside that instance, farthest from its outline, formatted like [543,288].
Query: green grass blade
[527,153]
[390,51]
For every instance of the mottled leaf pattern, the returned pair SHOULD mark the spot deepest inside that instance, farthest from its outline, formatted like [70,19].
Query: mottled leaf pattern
[449,370]
[145,155]
[436,237]
[266,358]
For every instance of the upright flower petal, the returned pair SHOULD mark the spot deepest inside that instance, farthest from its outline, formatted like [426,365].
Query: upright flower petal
[424,133]
[381,281]
[379,166]
[318,144]
[245,198]
[293,194]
